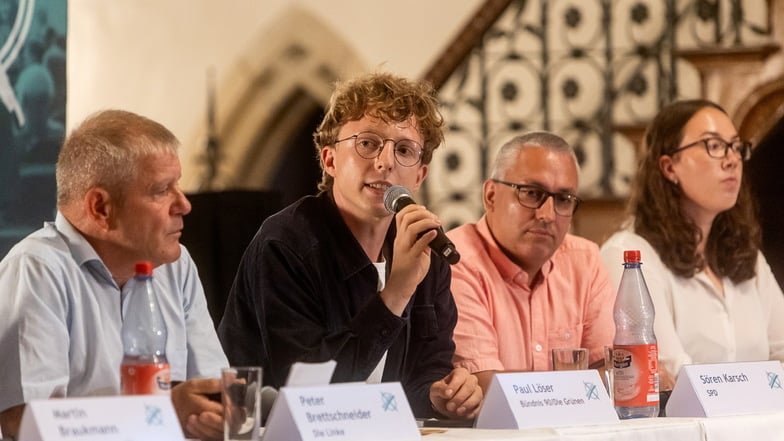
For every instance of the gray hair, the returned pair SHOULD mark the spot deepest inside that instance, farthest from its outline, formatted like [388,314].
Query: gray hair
[105,151]
[508,152]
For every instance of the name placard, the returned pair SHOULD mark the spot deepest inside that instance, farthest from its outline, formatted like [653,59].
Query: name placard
[343,411]
[706,390]
[538,399]
[120,418]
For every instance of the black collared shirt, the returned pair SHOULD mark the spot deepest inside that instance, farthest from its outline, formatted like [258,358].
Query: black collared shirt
[306,291]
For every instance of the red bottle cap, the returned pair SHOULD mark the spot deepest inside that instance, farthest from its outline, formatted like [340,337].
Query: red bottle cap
[631,256]
[143,268]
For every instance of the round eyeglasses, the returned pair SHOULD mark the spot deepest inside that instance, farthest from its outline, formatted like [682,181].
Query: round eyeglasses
[533,196]
[369,145]
[719,148]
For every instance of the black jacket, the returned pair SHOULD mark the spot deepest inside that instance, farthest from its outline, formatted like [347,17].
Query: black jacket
[306,291]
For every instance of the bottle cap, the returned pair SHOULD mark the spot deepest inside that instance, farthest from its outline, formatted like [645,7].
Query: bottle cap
[631,256]
[143,268]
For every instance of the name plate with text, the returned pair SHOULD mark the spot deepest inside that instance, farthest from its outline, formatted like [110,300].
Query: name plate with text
[706,390]
[118,418]
[545,399]
[343,411]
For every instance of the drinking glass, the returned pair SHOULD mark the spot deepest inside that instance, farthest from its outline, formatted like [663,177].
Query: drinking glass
[570,359]
[241,396]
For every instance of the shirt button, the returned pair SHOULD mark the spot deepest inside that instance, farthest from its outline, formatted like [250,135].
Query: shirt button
[567,336]
[384,332]
[538,348]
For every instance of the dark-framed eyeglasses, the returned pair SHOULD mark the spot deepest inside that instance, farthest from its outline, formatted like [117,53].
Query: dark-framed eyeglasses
[534,196]
[369,145]
[719,148]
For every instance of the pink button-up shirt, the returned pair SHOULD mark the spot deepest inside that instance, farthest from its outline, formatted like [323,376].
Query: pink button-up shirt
[505,325]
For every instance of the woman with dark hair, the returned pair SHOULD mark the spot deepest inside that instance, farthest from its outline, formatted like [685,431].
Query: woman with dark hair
[693,219]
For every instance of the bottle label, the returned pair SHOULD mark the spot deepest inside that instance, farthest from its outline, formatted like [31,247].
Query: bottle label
[636,375]
[145,379]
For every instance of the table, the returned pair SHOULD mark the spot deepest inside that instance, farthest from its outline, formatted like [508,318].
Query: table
[761,427]
[757,427]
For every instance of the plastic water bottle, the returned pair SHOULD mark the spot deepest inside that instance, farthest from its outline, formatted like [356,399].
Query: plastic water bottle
[635,352]
[144,369]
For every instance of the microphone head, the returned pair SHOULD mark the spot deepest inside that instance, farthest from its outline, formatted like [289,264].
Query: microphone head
[391,196]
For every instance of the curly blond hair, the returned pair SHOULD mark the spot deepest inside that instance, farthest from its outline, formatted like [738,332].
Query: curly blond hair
[385,96]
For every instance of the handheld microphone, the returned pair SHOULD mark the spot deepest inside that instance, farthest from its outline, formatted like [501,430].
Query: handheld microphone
[396,197]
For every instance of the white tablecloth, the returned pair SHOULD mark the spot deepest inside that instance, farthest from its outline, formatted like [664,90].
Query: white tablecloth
[763,427]
[746,427]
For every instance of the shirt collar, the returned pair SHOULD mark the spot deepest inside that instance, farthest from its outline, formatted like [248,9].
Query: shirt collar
[351,258]
[506,267]
[81,250]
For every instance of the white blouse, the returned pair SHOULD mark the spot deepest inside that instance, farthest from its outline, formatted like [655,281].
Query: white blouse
[694,322]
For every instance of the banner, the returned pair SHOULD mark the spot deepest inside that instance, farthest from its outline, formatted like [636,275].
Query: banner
[32,113]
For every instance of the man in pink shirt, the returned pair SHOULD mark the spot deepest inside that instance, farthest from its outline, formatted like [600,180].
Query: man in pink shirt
[523,285]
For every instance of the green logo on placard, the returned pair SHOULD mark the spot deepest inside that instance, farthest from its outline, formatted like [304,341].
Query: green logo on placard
[773,380]
[591,392]
[153,415]
[388,402]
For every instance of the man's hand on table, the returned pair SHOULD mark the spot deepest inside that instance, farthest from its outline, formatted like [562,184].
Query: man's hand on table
[457,395]
[199,416]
